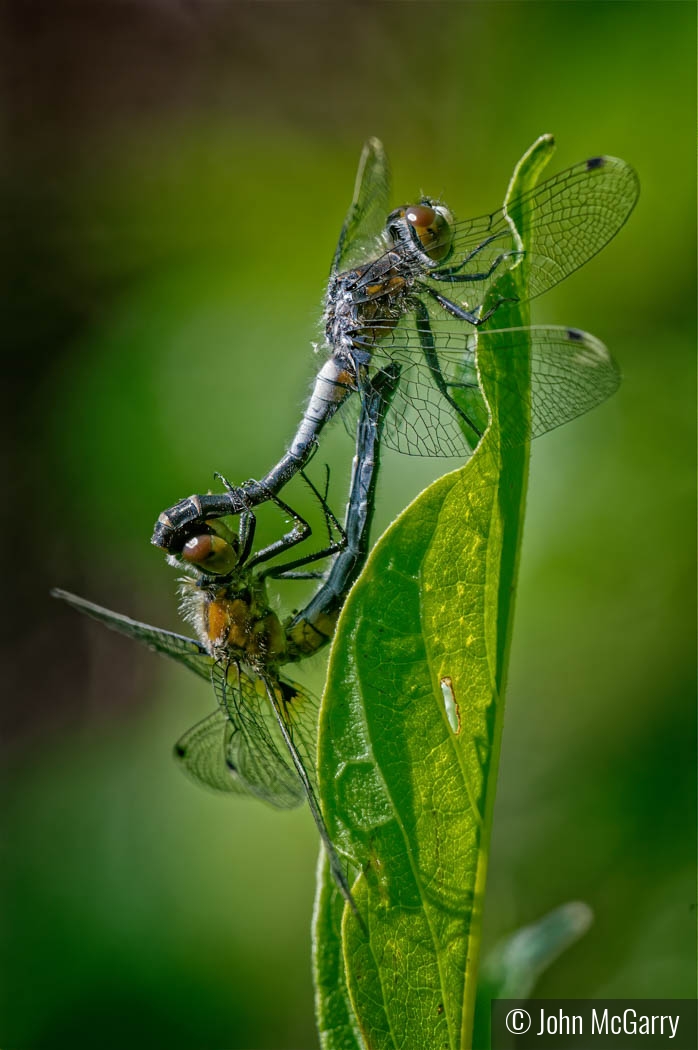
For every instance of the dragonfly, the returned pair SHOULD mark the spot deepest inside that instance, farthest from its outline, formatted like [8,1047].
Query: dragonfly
[260,739]
[408,287]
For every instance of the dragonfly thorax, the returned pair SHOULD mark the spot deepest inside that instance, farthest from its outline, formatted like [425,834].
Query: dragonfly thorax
[378,291]
[418,238]
[233,620]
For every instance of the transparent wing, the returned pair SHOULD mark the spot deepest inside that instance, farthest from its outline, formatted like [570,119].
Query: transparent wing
[186,650]
[202,754]
[365,220]
[439,409]
[239,747]
[571,373]
[254,750]
[570,216]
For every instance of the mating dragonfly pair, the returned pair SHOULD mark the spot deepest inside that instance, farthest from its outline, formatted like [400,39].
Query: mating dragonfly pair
[403,321]
[260,740]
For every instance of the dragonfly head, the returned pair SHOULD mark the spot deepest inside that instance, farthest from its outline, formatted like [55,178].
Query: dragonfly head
[211,553]
[426,226]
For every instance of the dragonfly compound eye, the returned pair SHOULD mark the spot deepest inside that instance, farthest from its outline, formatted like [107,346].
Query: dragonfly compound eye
[432,226]
[210,553]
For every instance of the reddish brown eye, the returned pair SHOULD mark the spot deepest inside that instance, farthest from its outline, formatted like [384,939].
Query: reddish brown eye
[210,553]
[420,215]
[432,227]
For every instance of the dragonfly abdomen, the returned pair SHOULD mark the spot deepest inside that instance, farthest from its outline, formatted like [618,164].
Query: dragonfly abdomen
[309,630]
[335,381]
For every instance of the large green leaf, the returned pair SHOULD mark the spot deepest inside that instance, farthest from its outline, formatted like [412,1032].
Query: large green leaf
[411,725]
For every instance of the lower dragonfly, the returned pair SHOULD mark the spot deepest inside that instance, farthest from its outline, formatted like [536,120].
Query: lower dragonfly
[386,303]
[260,740]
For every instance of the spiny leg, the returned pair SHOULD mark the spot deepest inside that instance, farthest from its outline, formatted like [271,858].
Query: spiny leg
[331,522]
[281,574]
[300,531]
[455,273]
[471,316]
[285,571]
[246,531]
[471,254]
[186,518]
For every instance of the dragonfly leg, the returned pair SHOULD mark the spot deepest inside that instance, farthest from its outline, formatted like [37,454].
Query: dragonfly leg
[454,274]
[185,518]
[300,531]
[426,338]
[277,575]
[284,572]
[248,526]
[448,270]
[331,522]
[471,316]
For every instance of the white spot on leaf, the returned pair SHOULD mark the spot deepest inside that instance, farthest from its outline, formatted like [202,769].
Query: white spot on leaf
[450,705]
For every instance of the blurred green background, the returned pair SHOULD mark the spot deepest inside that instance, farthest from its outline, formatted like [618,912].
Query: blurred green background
[173,182]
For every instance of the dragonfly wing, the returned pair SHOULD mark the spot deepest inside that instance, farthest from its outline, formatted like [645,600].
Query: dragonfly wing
[568,218]
[365,220]
[571,373]
[423,422]
[438,408]
[255,749]
[300,712]
[202,754]
[186,650]
[572,216]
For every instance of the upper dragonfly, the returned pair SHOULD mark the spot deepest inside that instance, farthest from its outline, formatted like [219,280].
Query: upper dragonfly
[260,740]
[408,286]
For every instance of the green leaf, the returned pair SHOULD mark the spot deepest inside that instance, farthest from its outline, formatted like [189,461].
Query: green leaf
[411,723]
[512,968]
[335,1015]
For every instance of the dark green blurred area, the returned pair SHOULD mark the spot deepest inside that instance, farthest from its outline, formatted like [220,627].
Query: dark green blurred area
[175,180]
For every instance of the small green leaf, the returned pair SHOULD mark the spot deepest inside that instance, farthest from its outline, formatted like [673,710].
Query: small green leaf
[512,968]
[411,722]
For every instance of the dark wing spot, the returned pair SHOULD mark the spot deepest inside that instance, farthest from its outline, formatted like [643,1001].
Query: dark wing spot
[288,693]
[180,751]
[595,162]
[575,335]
